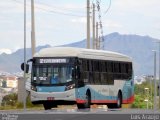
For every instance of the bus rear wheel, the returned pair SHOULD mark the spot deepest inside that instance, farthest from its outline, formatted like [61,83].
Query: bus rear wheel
[119,102]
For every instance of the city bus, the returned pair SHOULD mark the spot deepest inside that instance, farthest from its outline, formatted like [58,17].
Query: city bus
[68,75]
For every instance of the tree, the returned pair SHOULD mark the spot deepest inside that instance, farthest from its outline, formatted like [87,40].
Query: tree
[4,83]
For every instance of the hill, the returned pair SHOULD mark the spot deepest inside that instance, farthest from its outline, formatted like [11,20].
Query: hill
[139,48]
[11,62]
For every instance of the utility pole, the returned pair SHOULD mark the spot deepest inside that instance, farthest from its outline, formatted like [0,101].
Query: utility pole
[97,43]
[151,79]
[88,24]
[33,40]
[159,75]
[94,26]
[24,75]
[155,93]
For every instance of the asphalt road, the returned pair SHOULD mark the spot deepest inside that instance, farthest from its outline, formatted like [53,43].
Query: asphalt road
[75,114]
[83,111]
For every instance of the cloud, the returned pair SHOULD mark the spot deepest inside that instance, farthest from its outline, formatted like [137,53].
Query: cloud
[75,6]
[126,14]
[7,7]
[112,24]
[156,26]
[79,20]
[4,50]
[136,3]
[144,7]
[60,9]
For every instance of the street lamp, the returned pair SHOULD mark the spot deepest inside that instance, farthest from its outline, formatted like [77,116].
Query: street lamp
[147,96]
[146,100]
[159,73]
[151,86]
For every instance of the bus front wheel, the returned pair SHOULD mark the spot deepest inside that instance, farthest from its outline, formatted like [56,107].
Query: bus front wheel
[87,103]
[49,105]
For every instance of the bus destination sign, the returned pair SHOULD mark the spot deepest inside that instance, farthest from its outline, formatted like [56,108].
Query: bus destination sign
[52,61]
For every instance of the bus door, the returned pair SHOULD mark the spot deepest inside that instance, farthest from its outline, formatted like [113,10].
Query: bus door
[79,85]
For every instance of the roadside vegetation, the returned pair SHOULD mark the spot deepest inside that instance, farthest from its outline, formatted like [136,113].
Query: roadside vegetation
[142,93]
[11,102]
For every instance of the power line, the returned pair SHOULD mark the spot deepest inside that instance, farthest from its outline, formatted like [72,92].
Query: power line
[108,7]
[100,24]
[105,10]
[60,8]
[61,13]
[53,11]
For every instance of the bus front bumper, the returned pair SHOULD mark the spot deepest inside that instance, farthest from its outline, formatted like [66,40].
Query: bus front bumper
[44,96]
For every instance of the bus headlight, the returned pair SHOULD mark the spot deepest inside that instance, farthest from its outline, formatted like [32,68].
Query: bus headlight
[70,87]
[33,88]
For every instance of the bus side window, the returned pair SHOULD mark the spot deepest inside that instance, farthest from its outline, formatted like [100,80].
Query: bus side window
[103,65]
[130,70]
[122,70]
[109,67]
[84,65]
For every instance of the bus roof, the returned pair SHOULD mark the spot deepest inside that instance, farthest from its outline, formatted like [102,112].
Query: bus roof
[82,53]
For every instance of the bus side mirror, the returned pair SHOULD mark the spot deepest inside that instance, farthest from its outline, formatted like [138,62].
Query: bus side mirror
[27,67]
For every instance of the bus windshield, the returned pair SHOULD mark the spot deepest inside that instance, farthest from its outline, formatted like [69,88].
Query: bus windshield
[51,74]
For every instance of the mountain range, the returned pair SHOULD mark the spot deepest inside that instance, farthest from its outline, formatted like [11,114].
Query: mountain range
[139,48]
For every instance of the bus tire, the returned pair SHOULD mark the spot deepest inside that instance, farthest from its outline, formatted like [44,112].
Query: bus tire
[118,104]
[88,100]
[87,104]
[47,106]
[119,100]
[80,106]
[111,105]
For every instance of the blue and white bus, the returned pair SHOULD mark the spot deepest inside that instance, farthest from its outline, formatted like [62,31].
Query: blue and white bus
[67,75]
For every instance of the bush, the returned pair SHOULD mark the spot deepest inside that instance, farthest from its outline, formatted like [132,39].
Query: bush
[11,102]
[139,102]
[19,105]
[10,99]
[141,95]
[28,102]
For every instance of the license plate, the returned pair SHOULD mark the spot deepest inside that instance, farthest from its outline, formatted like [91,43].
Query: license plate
[50,98]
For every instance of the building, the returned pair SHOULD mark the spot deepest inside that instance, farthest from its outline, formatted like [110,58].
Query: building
[9,81]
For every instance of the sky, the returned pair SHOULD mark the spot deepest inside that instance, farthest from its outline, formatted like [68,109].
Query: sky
[61,22]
